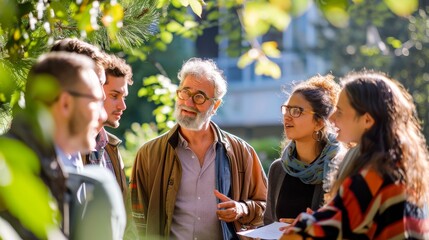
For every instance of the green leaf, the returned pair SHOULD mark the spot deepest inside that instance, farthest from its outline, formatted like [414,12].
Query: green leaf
[22,8]
[402,8]
[174,26]
[335,11]
[245,60]
[60,9]
[160,46]
[150,80]
[337,17]
[270,49]
[142,92]
[284,5]
[84,21]
[160,117]
[197,6]
[7,13]
[268,68]
[166,37]
[299,7]
[112,14]
[188,24]
[255,16]
[213,16]
[184,3]
[162,3]
[395,43]
[7,86]
[278,18]
[20,181]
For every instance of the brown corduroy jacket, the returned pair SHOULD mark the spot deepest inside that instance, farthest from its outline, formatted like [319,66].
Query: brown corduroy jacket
[156,177]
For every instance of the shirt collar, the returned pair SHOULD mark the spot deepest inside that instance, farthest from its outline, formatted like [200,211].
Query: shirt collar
[183,143]
[101,139]
[70,161]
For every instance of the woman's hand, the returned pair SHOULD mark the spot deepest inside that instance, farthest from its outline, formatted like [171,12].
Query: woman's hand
[288,234]
[287,220]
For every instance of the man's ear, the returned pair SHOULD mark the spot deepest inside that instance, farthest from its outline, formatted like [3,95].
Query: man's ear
[65,104]
[368,120]
[217,105]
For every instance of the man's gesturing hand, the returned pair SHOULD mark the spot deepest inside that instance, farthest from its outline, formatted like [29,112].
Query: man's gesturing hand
[229,210]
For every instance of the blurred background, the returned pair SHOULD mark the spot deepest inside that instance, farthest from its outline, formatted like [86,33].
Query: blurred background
[264,47]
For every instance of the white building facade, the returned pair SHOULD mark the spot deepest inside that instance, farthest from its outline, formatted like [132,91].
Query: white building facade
[251,106]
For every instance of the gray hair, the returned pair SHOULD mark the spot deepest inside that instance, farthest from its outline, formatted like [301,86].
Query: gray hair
[207,68]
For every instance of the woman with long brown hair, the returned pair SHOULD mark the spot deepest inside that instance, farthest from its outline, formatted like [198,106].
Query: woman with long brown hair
[381,191]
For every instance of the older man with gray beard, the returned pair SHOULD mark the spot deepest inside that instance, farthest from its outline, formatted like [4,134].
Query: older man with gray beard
[197,181]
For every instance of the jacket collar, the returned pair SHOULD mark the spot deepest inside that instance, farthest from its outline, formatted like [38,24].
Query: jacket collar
[113,140]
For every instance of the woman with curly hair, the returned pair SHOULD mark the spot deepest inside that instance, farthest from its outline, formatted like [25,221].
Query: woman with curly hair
[381,191]
[299,179]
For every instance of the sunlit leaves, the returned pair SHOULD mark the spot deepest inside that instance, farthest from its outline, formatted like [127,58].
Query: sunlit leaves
[60,10]
[395,43]
[196,5]
[266,67]
[113,15]
[293,7]
[270,49]
[298,7]
[45,89]
[246,59]
[8,87]
[189,29]
[160,90]
[402,7]
[174,26]
[19,182]
[7,13]
[87,18]
[282,4]
[135,137]
[259,16]
[335,11]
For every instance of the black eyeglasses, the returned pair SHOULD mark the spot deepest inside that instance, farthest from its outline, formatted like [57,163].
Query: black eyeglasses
[83,95]
[198,97]
[294,111]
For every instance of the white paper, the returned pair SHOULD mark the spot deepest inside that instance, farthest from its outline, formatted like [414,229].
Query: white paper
[270,231]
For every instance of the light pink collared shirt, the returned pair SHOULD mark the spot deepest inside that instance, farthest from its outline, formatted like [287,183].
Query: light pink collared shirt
[194,215]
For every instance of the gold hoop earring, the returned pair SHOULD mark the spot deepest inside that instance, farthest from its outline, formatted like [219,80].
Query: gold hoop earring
[317,135]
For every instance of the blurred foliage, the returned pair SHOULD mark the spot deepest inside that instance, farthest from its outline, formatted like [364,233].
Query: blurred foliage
[138,134]
[19,182]
[28,28]
[160,90]
[9,96]
[268,150]
[377,39]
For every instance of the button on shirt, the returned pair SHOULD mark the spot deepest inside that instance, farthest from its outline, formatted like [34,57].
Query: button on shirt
[195,209]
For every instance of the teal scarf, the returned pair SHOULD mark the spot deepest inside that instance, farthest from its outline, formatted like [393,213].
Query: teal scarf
[316,172]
